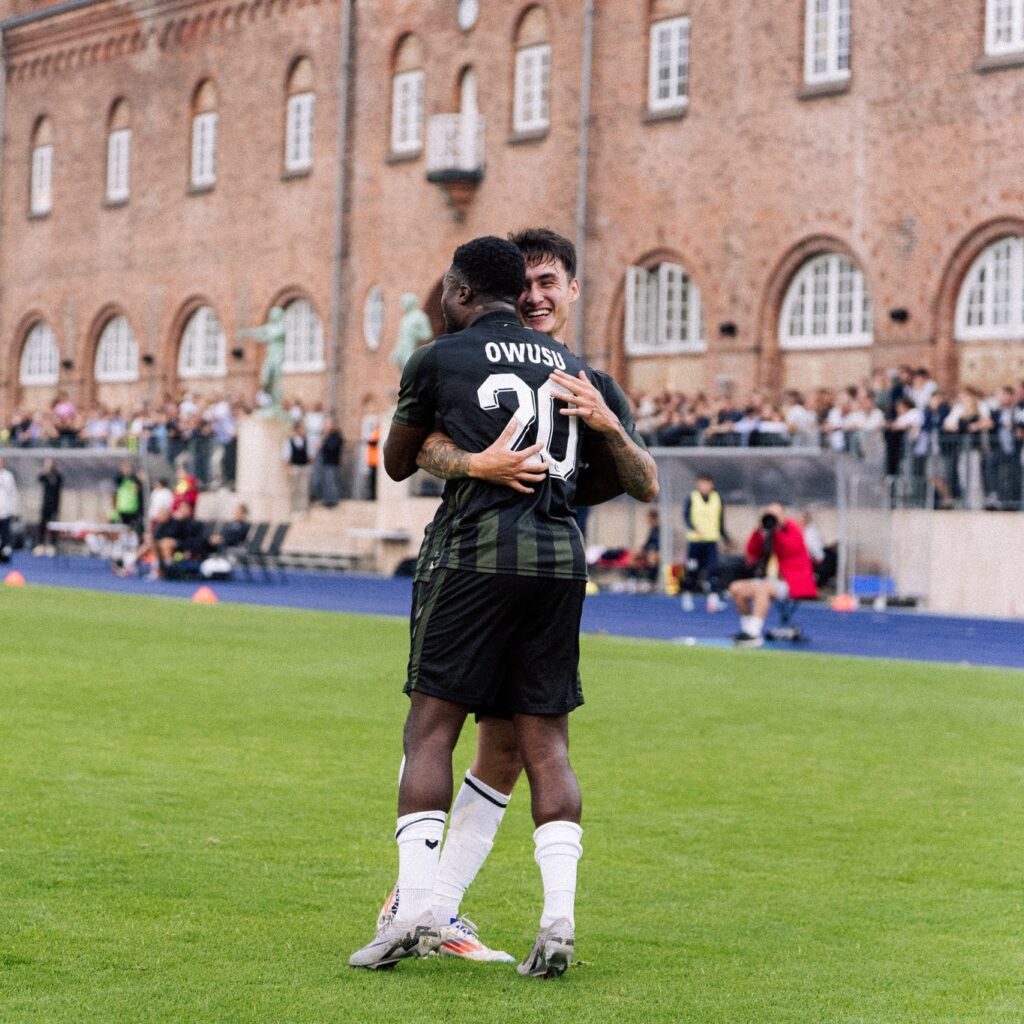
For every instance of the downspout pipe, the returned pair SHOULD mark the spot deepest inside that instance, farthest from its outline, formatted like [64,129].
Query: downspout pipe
[345,72]
[582,181]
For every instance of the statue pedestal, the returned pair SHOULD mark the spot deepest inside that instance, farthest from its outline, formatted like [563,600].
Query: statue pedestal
[262,478]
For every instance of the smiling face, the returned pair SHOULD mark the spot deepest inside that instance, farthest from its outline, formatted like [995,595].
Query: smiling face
[547,301]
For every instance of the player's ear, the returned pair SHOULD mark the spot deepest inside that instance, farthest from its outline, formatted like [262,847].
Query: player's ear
[574,289]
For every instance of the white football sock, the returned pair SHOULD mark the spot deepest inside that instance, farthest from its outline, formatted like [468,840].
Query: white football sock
[558,852]
[751,624]
[419,848]
[476,815]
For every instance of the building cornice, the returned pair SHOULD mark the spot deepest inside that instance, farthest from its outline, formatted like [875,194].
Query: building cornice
[73,37]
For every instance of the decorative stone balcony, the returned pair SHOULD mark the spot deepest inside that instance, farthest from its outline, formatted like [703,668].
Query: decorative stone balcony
[455,157]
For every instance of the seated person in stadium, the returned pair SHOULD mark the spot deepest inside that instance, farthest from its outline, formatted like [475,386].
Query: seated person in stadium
[645,561]
[233,533]
[179,539]
[781,568]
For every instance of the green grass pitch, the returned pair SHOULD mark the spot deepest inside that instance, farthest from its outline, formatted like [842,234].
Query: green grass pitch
[196,806]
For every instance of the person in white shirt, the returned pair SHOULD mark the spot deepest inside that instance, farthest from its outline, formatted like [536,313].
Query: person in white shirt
[8,508]
[161,498]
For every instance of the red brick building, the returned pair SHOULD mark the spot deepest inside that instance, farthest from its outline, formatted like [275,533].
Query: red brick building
[785,193]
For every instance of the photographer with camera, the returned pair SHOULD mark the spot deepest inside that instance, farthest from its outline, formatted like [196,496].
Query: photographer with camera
[780,568]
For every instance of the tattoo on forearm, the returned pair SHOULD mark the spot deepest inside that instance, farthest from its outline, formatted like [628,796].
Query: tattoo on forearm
[635,467]
[441,457]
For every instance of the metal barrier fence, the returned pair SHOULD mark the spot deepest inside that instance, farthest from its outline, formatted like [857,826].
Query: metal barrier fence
[847,500]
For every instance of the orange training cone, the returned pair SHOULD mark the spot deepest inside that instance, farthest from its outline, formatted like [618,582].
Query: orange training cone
[14,579]
[204,595]
[844,603]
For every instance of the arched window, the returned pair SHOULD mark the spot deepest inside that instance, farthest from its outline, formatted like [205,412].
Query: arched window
[990,305]
[119,142]
[40,358]
[373,318]
[304,338]
[298,136]
[202,352]
[41,173]
[532,98]
[827,41]
[827,305]
[663,311]
[407,88]
[204,135]
[117,355]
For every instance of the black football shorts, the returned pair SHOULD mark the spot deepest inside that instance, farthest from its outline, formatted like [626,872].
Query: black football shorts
[497,644]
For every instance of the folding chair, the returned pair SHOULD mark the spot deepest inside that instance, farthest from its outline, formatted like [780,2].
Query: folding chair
[245,554]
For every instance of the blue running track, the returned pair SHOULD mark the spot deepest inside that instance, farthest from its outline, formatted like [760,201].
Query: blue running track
[890,634]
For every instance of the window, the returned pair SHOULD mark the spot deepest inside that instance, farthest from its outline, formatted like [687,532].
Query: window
[1004,26]
[298,140]
[669,64]
[41,176]
[304,338]
[407,112]
[119,141]
[827,306]
[40,358]
[373,318]
[991,301]
[827,44]
[204,136]
[663,311]
[117,355]
[408,86]
[202,352]
[533,79]
[532,96]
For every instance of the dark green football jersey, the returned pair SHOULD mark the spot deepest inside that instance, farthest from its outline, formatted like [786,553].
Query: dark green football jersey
[469,385]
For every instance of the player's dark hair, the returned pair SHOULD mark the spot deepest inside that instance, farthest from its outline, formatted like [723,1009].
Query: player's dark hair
[493,267]
[706,476]
[541,244]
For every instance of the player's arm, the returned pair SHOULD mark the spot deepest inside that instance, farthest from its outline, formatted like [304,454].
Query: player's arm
[414,416]
[637,471]
[442,457]
[599,476]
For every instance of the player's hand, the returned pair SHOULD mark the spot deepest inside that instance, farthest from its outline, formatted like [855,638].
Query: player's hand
[586,402]
[506,468]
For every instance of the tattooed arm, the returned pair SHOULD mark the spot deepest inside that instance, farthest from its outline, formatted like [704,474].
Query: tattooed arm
[636,469]
[442,457]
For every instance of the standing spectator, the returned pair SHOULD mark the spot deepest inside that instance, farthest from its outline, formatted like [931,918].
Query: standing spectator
[8,508]
[296,455]
[65,421]
[329,463]
[901,434]
[372,456]
[128,494]
[186,489]
[800,421]
[1002,461]
[704,515]
[221,420]
[314,422]
[922,387]
[52,482]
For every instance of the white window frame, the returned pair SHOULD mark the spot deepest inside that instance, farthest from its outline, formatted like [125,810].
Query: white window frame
[990,306]
[1004,27]
[407,91]
[830,22]
[298,141]
[825,291]
[117,354]
[204,149]
[203,351]
[531,109]
[663,312]
[304,338]
[669,65]
[40,357]
[119,143]
[373,318]
[41,180]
